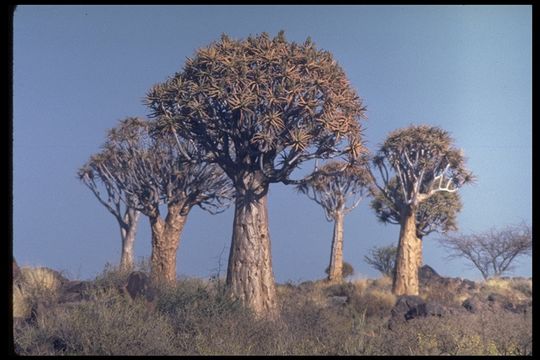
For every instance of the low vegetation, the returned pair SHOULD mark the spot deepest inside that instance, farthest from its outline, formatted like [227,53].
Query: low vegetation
[196,317]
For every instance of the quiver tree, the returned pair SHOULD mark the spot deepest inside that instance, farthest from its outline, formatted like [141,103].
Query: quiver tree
[436,214]
[149,168]
[491,252]
[260,107]
[110,194]
[338,189]
[424,162]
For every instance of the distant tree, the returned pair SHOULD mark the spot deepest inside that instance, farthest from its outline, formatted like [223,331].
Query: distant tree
[147,166]
[346,270]
[383,259]
[338,188]
[111,195]
[260,107]
[424,162]
[491,252]
[435,214]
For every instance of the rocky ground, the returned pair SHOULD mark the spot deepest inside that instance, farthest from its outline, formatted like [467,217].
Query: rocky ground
[358,317]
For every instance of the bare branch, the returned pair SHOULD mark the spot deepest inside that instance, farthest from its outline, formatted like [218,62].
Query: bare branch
[491,252]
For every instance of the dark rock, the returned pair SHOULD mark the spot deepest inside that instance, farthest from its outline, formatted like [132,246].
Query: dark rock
[497,302]
[406,303]
[522,309]
[410,307]
[73,291]
[468,284]
[424,310]
[508,306]
[339,300]
[473,304]
[427,274]
[500,302]
[308,284]
[494,297]
[138,284]
[59,344]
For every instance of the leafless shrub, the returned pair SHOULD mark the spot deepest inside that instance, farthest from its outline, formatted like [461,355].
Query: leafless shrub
[491,252]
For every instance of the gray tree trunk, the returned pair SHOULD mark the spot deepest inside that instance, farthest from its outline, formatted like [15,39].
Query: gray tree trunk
[249,272]
[335,271]
[165,242]
[128,231]
[406,272]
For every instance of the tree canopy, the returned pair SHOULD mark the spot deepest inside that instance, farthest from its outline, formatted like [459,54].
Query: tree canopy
[262,104]
[436,214]
[336,187]
[149,170]
[424,161]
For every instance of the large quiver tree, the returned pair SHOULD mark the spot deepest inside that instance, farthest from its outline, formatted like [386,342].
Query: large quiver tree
[338,189]
[260,107]
[436,214]
[424,162]
[149,168]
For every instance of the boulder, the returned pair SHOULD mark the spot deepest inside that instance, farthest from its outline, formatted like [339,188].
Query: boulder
[494,302]
[426,274]
[473,304]
[409,307]
[467,284]
[339,300]
[74,291]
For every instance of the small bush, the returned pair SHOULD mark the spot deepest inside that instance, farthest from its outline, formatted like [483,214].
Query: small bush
[40,282]
[35,285]
[346,270]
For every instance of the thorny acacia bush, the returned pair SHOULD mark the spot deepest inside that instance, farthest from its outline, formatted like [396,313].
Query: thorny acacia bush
[196,317]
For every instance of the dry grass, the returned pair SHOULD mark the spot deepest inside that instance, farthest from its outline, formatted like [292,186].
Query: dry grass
[515,289]
[195,317]
[40,279]
[34,284]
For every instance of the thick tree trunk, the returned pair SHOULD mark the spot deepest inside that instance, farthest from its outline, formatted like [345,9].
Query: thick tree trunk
[335,270]
[406,272]
[249,272]
[128,231]
[420,252]
[165,241]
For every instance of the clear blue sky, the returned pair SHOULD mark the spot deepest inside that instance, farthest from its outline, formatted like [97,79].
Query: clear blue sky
[80,69]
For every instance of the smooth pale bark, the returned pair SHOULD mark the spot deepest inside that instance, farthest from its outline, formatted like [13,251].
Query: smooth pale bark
[406,272]
[335,271]
[249,273]
[165,242]
[128,230]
